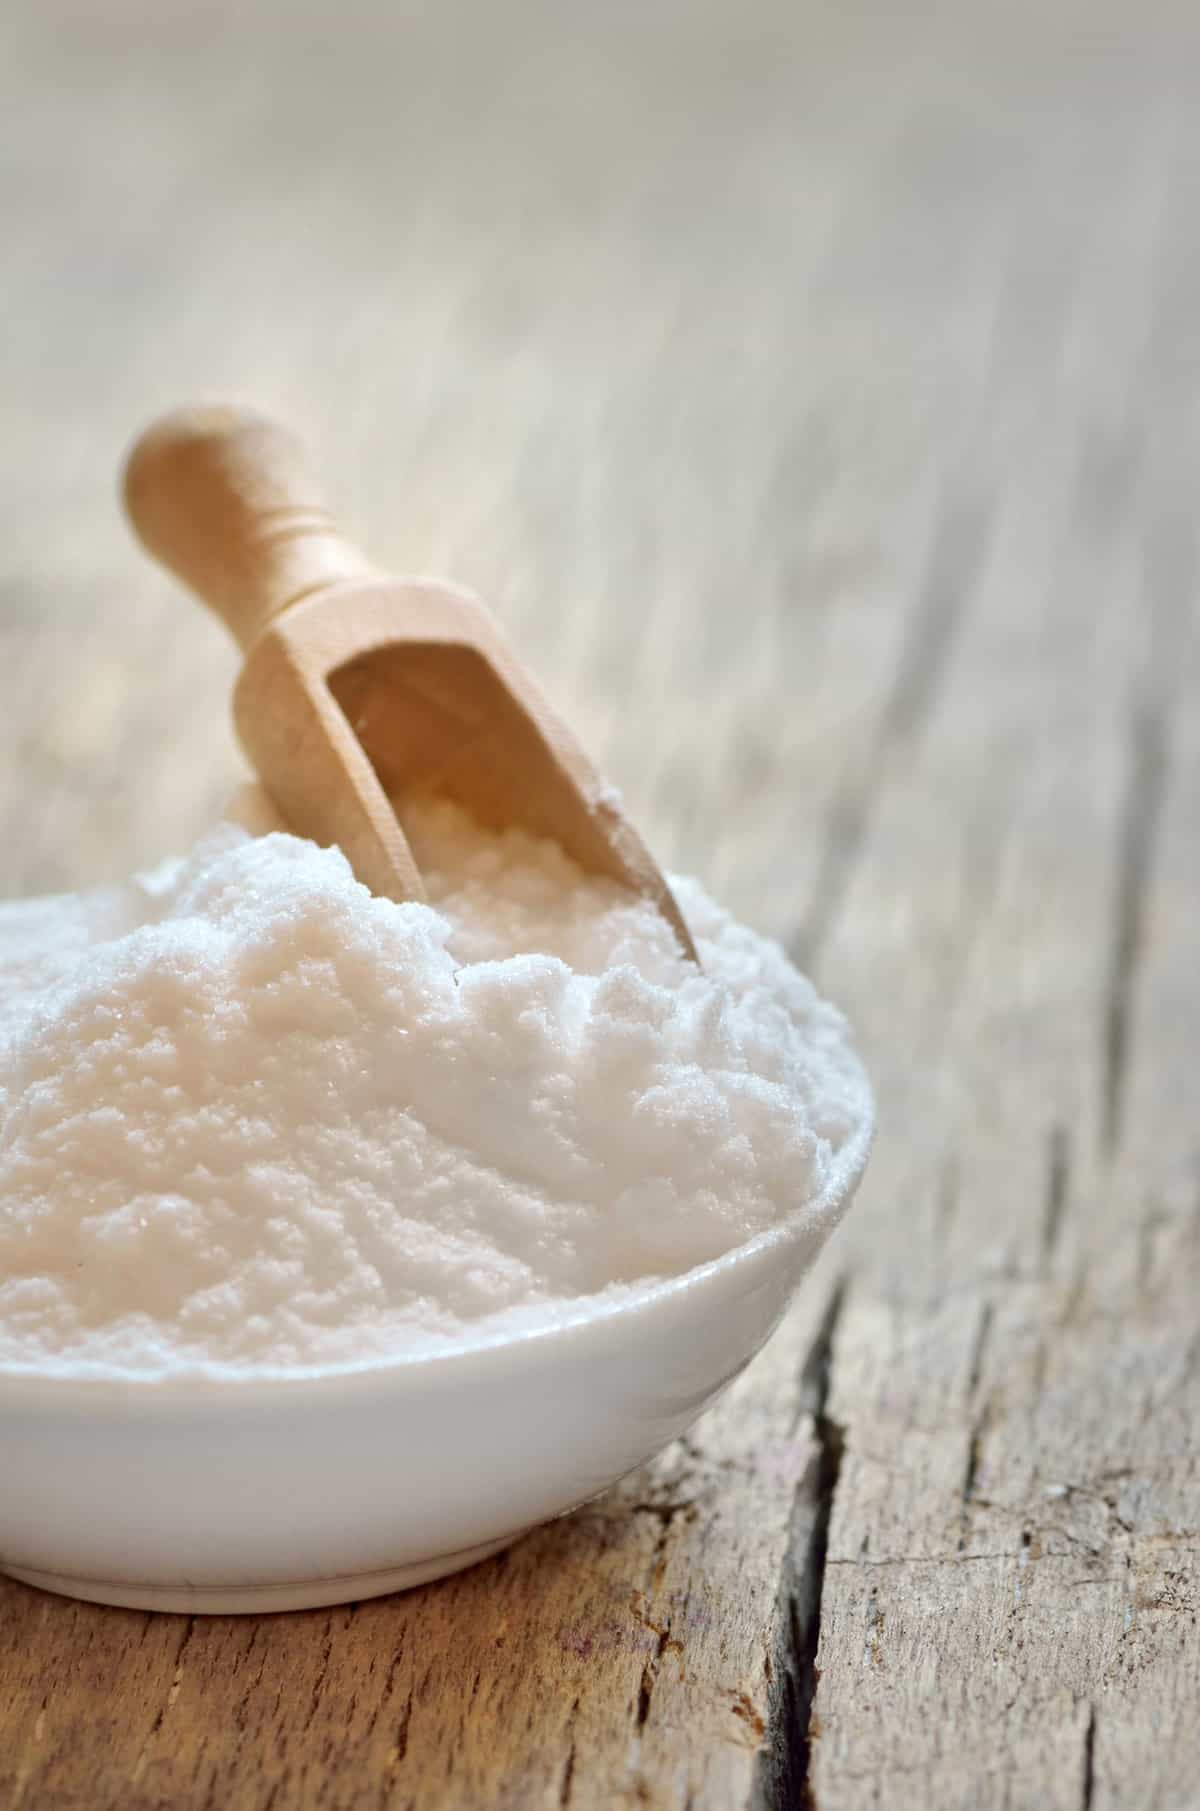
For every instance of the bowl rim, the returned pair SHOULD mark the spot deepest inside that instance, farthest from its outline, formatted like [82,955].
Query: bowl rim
[33,1385]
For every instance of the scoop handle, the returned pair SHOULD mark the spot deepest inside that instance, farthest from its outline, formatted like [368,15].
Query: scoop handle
[223,497]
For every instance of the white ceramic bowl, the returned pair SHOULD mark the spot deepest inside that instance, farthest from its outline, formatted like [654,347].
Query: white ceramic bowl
[280,1493]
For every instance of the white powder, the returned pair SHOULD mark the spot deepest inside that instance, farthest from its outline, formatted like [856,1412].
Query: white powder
[253,1117]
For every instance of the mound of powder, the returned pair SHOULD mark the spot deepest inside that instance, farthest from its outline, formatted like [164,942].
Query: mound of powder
[252,1116]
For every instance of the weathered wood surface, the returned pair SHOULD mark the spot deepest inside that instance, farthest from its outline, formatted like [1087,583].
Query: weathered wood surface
[814,390]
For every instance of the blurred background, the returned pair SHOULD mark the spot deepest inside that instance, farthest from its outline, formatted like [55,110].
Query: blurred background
[811,389]
[733,352]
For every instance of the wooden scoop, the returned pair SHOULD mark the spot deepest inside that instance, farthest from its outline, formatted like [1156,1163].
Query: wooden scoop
[358,688]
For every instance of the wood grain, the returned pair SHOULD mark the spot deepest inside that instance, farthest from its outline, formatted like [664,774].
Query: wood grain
[814,391]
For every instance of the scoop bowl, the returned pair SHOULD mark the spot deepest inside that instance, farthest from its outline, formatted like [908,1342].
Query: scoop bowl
[242,1493]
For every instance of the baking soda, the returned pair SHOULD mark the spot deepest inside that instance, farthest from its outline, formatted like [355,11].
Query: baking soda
[254,1118]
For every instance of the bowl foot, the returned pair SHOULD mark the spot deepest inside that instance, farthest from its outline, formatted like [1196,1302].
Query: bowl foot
[236,1599]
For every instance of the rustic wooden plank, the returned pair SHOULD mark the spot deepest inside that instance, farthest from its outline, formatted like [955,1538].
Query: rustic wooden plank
[813,391]
[1008,1611]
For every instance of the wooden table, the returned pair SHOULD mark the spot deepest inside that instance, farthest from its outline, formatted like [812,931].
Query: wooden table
[814,390]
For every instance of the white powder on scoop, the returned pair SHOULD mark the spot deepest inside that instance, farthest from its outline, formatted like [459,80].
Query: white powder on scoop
[253,1117]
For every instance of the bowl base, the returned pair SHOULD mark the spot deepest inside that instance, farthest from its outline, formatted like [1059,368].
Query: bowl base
[233,1600]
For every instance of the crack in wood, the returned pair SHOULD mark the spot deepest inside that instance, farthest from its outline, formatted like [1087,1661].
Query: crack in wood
[321,1674]
[400,1745]
[272,1798]
[566,1784]
[650,1676]
[812,1390]
[783,1777]
[665,1513]
[1058,1181]
[160,1714]
[1089,1761]
[924,1559]
[971,1469]
[185,1642]
[982,1335]
[1170,580]
[1135,840]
